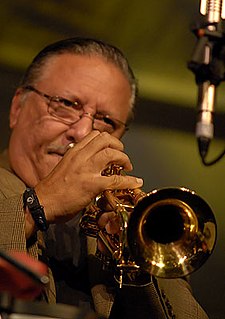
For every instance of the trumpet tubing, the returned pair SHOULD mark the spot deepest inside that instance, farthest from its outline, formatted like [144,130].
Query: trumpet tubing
[169,232]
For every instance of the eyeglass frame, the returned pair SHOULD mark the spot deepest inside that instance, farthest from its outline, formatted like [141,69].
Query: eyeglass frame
[77,105]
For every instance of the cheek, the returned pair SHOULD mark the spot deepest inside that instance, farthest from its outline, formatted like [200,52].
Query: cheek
[39,129]
[32,135]
[40,138]
[30,143]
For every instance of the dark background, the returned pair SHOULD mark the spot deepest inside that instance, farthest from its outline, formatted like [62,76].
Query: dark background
[157,40]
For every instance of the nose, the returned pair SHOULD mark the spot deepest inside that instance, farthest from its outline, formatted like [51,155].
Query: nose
[81,128]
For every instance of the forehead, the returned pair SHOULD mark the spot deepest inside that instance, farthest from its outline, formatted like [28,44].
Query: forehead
[90,72]
[69,64]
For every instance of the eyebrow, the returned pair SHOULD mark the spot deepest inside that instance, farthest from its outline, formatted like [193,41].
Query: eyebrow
[70,96]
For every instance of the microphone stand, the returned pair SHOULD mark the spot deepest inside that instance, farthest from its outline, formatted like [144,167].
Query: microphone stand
[208,65]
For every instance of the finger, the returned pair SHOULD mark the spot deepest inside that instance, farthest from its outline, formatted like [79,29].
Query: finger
[105,218]
[118,182]
[104,140]
[94,143]
[108,156]
[113,226]
[123,182]
[85,141]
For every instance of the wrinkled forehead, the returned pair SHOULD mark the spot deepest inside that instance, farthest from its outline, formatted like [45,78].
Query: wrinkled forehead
[74,58]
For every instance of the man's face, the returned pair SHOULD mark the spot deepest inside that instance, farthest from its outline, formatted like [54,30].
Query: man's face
[38,139]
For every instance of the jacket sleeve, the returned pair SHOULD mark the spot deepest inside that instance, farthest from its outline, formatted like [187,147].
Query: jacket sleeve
[158,299]
[12,225]
[138,302]
[130,301]
[177,295]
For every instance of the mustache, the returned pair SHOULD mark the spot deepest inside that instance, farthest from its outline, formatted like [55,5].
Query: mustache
[60,149]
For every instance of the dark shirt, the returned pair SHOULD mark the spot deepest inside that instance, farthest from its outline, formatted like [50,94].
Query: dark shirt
[66,247]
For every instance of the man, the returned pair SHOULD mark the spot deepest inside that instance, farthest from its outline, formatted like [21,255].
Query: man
[67,116]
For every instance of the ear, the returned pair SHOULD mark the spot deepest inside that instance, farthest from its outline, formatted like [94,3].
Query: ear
[15,109]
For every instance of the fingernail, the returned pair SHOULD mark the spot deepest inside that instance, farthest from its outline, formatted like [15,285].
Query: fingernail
[139,180]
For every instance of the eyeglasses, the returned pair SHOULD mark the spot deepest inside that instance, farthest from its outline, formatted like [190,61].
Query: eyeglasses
[68,112]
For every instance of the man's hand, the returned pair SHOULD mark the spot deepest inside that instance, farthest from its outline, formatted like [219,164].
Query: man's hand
[78,179]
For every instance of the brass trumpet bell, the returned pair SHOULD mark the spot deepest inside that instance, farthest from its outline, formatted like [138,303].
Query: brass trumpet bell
[171,232]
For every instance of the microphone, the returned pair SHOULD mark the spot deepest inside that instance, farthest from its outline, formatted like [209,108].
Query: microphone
[205,126]
[214,11]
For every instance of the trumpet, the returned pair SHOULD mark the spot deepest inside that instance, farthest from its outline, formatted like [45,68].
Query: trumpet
[168,232]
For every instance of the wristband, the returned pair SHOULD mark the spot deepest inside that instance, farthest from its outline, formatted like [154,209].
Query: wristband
[30,200]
